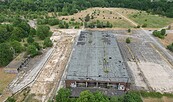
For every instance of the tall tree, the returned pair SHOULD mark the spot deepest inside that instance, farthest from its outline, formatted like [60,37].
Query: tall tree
[86,96]
[6,54]
[32,50]
[17,46]
[4,34]
[43,32]
[30,39]
[47,42]
[63,95]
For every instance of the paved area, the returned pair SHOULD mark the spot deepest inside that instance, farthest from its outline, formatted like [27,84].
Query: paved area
[150,67]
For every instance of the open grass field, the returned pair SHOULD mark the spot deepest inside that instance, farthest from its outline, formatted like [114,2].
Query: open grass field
[110,14]
[102,14]
[5,79]
[152,21]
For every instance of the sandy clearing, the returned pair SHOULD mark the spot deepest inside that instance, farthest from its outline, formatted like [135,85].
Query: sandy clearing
[159,76]
[139,82]
[5,79]
[168,39]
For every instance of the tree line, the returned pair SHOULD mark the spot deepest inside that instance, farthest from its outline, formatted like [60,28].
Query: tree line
[87,96]
[63,95]
[68,7]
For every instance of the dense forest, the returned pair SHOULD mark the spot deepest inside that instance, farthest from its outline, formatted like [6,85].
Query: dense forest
[19,37]
[67,7]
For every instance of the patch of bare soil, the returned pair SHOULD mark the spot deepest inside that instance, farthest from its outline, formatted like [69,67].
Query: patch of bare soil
[168,39]
[5,79]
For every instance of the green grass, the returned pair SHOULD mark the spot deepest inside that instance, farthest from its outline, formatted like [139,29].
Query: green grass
[151,94]
[121,24]
[152,21]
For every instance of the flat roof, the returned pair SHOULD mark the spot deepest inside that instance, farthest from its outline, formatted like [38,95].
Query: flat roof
[15,64]
[96,57]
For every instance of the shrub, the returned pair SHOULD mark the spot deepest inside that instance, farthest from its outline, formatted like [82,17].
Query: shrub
[151,94]
[10,99]
[63,95]
[129,30]
[53,21]
[144,25]
[158,34]
[132,97]
[163,32]
[32,50]
[128,40]
[170,47]
[138,26]
[47,42]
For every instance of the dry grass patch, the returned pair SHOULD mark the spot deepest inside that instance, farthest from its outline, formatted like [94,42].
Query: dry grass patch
[163,99]
[167,40]
[5,79]
[102,14]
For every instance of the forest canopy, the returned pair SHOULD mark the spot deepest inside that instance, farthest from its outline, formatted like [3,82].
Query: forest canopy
[68,7]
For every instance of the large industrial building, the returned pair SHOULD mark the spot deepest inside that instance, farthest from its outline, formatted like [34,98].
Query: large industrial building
[97,62]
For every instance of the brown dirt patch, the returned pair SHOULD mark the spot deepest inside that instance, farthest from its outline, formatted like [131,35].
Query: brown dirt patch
[103,14]
[5,79]
[168,40]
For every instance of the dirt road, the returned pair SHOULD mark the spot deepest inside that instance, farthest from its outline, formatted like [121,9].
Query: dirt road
[51,73]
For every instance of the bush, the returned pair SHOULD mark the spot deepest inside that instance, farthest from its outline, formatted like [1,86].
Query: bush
[42,21]
[163,32]
[144,25]
[170,47]
[63,95]
[168,95]
[151,94]
[128,40]
[138,26]
[47,42]
[87,18]
[30,39]
[6,54]
[53,21]
[43,32]
[158,34]
[129,30]
[32,50]
[72,19]
[132,97]
[10,99]
[63,24]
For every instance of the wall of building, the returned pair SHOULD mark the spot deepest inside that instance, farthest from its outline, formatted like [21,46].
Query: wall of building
[100,84]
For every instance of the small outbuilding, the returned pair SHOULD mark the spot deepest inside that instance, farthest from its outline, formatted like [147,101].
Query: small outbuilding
[15,66]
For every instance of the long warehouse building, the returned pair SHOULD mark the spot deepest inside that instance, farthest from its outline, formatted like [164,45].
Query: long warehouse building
[96,61]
